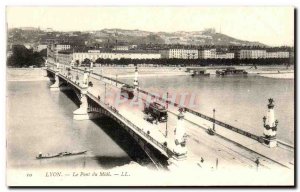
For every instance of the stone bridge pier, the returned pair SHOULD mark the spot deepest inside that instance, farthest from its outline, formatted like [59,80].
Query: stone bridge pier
[55,86]
[82,112]
[85,111]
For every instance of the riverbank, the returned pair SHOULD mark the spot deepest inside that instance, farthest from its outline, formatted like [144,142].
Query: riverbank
[279,75]
[26,74]
[128,72]
[38,74]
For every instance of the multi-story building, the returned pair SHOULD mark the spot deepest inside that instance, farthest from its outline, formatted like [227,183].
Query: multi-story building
[208,54]
[278,54]
[93,55]
[252,54]
[62,47]
[257,54]
[224,55]
[90,54]
[179,53]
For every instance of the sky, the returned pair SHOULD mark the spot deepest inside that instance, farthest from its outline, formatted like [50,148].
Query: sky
[273,26]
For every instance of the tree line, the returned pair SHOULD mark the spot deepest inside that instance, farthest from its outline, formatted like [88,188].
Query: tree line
[23,57]
[188,62]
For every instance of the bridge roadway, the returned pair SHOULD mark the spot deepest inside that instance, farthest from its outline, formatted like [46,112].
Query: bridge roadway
[227,151]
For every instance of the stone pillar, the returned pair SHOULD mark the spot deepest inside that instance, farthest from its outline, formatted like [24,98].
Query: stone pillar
[72,63]
[135,81]
[85,79]
[270,126]
[91,67]
[180,137]
[82,112]
[55,86]
[57,65]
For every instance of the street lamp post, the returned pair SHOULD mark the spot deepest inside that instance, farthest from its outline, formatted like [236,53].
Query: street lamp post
[167,114]
[214,111]
[104,92]
[116,80]
[257,162]
[167,100]
[77,77]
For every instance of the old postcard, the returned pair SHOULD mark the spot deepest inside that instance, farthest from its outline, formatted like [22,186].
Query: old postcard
[150,96]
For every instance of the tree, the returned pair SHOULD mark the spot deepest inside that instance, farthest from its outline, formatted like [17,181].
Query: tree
[23,57]
[43,53]
[86,62]
[77,63]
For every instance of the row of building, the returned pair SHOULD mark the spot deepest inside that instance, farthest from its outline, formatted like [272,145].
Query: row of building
[214,54]
[256,54]
[66,57]
[58,52]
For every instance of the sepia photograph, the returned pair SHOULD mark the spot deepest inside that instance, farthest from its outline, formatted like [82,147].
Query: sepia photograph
[160,96]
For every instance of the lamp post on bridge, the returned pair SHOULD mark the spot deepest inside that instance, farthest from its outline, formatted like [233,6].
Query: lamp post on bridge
[214,111]
[116,80]
[77,77]
[166,134]
[104,92]
[270,126]
[167,115]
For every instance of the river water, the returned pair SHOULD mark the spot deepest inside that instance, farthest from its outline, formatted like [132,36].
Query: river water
[238,100]
[41,121]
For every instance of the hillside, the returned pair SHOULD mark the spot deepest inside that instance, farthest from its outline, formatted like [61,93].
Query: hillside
[110,37]
[206,37]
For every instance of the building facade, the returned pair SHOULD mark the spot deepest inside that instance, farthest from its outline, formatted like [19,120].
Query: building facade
[62,47]
[252,54]
[80,56]
[224,55]
[258,54]
[278,54]
[208,54]
[179,53]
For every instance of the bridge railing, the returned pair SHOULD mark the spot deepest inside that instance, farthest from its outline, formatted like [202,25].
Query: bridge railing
[116,113]
[230,127]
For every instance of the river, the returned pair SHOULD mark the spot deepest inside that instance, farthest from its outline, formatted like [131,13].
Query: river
[39,120]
